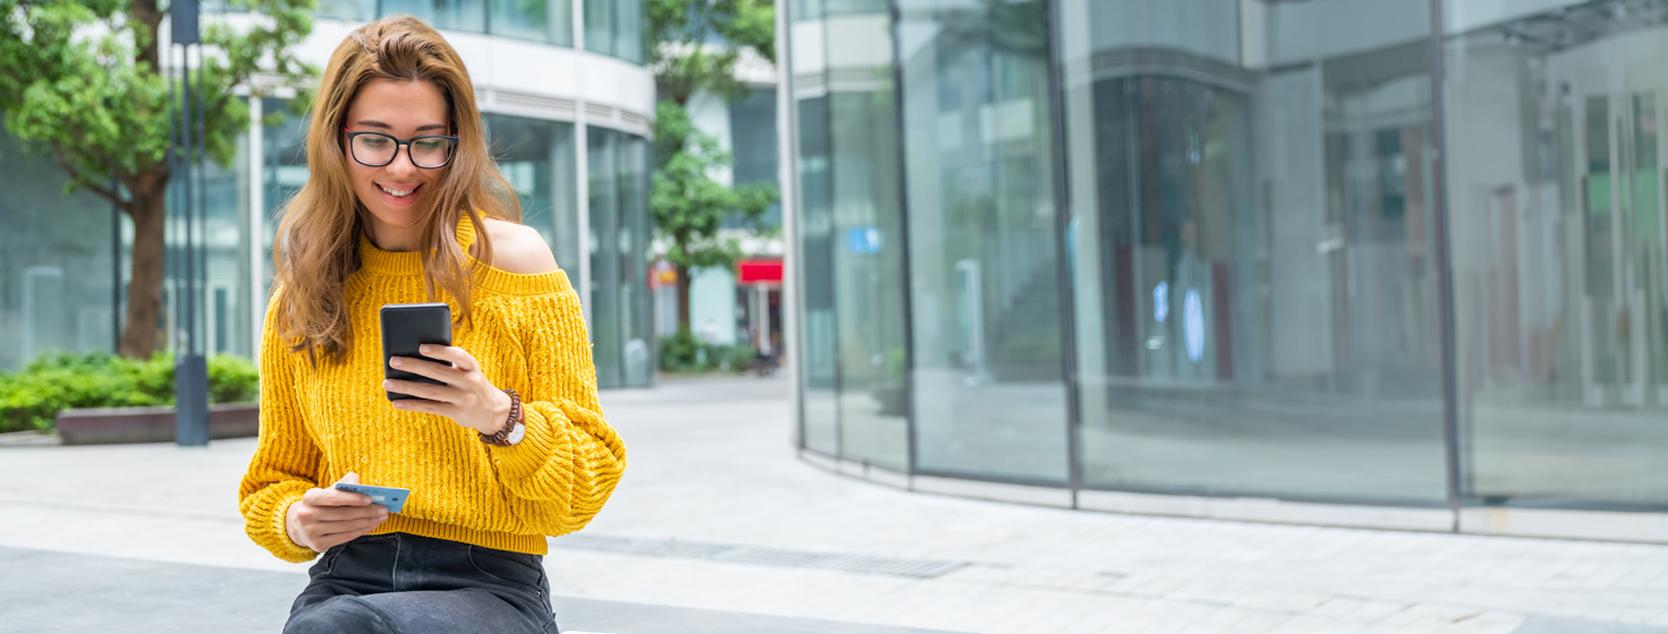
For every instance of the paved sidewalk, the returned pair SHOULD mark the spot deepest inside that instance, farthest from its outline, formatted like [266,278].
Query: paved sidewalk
[717,527]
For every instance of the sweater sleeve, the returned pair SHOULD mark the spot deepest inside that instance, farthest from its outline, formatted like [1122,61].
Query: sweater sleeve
[286,461]
[569,461]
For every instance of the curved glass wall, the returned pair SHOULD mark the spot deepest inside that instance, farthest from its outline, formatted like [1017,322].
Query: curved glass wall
[1554,124]
[1196,246]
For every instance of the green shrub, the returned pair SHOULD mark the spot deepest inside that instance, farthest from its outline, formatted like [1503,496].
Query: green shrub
[684,353]
[681,352]
[32,397]
[736,358]
[232,379]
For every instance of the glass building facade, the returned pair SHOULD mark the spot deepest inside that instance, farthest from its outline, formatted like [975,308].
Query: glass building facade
[64,259]
[1390,253]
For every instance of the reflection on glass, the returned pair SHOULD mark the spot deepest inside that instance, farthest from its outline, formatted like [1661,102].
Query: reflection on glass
[620,319]
[1562,287]
[856,399]
[816,226]
[989,393]
[456,15]
[753,143]
[867,254]
[538,158]
[347,11]
[55,261]
[283,172]
[616,28]
[1254,288]
[540,20]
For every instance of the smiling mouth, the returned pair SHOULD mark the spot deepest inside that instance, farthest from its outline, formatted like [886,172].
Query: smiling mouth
[399,193]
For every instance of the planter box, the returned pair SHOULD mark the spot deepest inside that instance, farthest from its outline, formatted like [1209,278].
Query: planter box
[114,425]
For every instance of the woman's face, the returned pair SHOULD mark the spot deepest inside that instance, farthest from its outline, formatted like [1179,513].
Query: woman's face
[399,193]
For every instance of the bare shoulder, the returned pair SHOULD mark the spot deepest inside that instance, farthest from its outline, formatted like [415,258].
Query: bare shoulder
[518,248]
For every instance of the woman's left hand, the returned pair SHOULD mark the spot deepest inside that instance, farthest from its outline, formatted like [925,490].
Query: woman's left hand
[465,396]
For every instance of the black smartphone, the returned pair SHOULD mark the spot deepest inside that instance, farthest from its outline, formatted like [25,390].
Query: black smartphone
[407,326]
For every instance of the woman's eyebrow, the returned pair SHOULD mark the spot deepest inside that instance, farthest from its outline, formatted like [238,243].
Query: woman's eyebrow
[378,124]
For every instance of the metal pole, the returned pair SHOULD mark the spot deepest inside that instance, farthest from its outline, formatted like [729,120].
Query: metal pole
[1064,208]
[1444,278]
[190,371]
[115,271]
[188,205]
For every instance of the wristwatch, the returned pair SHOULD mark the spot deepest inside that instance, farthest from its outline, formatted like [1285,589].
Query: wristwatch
[513,429]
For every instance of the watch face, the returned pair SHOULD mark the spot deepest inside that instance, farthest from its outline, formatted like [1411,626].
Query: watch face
[516,433]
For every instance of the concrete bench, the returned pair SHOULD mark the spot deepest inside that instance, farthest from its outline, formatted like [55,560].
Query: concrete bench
[114,425]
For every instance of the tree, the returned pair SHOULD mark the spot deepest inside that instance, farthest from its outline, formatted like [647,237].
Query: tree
[80,82]
[687,204]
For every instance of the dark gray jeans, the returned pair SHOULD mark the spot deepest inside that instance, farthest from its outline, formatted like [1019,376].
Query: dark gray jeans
[401,582]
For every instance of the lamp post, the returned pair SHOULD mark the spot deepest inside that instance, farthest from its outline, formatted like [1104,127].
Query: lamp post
[190,369]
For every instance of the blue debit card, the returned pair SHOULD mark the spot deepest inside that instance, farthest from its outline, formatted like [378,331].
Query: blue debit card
[391,497]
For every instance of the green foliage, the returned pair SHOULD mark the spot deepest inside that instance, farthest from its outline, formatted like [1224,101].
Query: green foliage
[80,81]
[232,379]
[687,205]
[684,353]
[31,398]
[683,56]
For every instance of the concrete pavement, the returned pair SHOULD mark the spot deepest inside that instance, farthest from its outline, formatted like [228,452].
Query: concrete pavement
[717,527]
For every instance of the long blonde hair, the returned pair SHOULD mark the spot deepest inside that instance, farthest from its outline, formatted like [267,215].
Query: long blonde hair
[318,238]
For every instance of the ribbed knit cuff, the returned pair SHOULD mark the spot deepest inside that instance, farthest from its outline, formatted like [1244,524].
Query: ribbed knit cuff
[522,460]
[276,535]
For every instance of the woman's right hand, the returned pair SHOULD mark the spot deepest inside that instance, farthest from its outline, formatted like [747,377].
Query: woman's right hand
[327,517]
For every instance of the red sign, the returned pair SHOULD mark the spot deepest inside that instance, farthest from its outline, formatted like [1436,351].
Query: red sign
[758,271]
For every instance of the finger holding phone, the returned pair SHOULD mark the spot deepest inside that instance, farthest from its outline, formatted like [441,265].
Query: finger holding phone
[463,393]
[426,373]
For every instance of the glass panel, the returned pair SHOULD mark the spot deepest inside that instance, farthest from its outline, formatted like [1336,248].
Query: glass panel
[542,20]
[616,28]
[223,326]
[636,323]
[628,36]
[456,15]
[1562,284]
[538,157]
[347,11]
[605,272]
[599,26]
[867,253]
[989,393]
[836,7]
[57,284]
[1252,261]
[283,172]
[816,235]
[619,228]
[753,143]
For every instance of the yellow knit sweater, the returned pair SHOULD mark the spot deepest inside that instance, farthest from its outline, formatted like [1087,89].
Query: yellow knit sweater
[317,424]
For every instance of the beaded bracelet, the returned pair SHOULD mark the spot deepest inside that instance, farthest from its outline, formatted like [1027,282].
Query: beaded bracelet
[502,438]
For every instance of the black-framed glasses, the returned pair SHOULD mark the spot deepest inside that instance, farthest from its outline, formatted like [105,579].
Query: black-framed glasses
[375,149]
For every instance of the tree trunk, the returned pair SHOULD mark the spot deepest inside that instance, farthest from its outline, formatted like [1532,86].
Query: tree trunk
[148,209]
[683,298]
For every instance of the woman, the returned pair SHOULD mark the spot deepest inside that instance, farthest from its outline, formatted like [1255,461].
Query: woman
[402,201]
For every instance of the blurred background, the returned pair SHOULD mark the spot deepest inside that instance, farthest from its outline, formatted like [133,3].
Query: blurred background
[1384,264]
